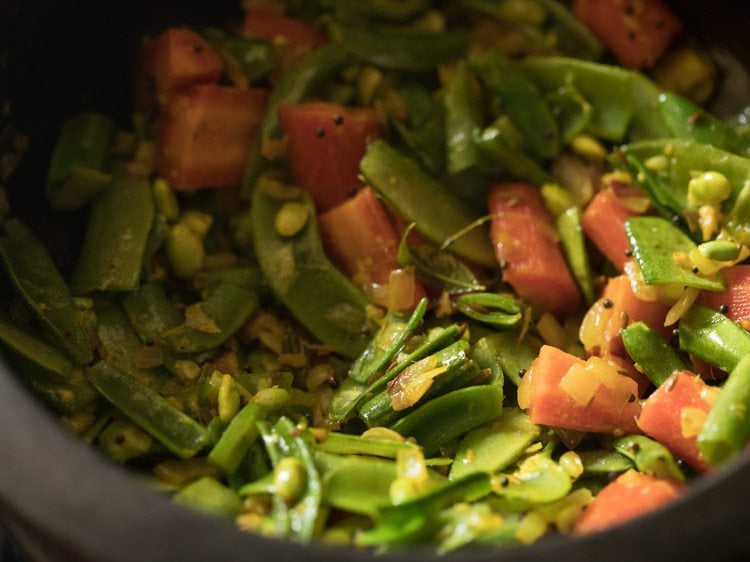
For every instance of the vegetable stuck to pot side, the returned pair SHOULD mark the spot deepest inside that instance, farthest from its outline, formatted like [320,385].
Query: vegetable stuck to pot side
[383,273]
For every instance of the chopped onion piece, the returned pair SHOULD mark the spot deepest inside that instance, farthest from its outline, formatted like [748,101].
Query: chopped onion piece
[579,384]
[691,421]
[683,304]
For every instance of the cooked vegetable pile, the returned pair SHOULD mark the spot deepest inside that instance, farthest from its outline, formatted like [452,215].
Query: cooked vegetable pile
[391,272]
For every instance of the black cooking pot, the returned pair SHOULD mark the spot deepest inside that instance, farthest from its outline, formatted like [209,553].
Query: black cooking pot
[63,501]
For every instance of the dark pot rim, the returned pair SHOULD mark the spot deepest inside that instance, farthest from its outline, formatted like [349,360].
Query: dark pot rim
[70,503]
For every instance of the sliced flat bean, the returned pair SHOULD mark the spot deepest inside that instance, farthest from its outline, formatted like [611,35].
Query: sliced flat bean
[119,343]
[737,221]
[572,110]
[651,352]
[295,521]
[522,101]
[437,213]
[654,186]
[574,244]
[687,120]
[501,310]
[229,298]
[345,444]
[410,51]
[538,480]
[36,280]
[713,337]
[506,355]
[609,90]
[384,346]
[438,267]
[379,409]
[210,496]
[177,432]
[648,122]
[415,520]
[727,428]
[304,279]
[493,448]
[237,439]
[654,240]
[356,484]
[150,311]
[604,463]
[351,394]
[451,415]
[119,224]
[79,168]
[684,157]
[511,160]
[50,372]
[462,116]
[649,456]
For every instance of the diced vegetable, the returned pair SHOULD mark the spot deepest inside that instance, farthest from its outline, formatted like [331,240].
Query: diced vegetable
[674,415]
[603,222]
[631,495]
[359,235]
[326,143]
[618,307]
[594,405]
[735,300]
[204,136]
[172,62]
[637,33]
[520,222]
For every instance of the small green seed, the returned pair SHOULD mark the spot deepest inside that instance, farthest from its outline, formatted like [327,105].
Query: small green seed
[185,251]
[709,188]
[186,370]
[198,222]
[658,163]
[719,250]
[291,218]
[289,479]
[588,147]
[272,399]
[166,200]
[522,11]
[229,399]
[83,303]
[122,441]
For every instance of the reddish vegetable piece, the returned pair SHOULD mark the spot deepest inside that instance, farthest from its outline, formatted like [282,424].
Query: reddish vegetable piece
[360,237]
[603,222]
[631,495]
[674,414]
[616,309]
[736,297]
[326,143]
[171,63]
[636,31]
[274,27]
[204,136]
[548,403]
[525,242]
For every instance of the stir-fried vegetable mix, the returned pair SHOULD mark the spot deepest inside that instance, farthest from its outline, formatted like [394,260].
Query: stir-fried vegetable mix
[391,272]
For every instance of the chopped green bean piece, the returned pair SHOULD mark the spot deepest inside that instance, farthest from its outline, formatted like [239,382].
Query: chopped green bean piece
[176,431]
